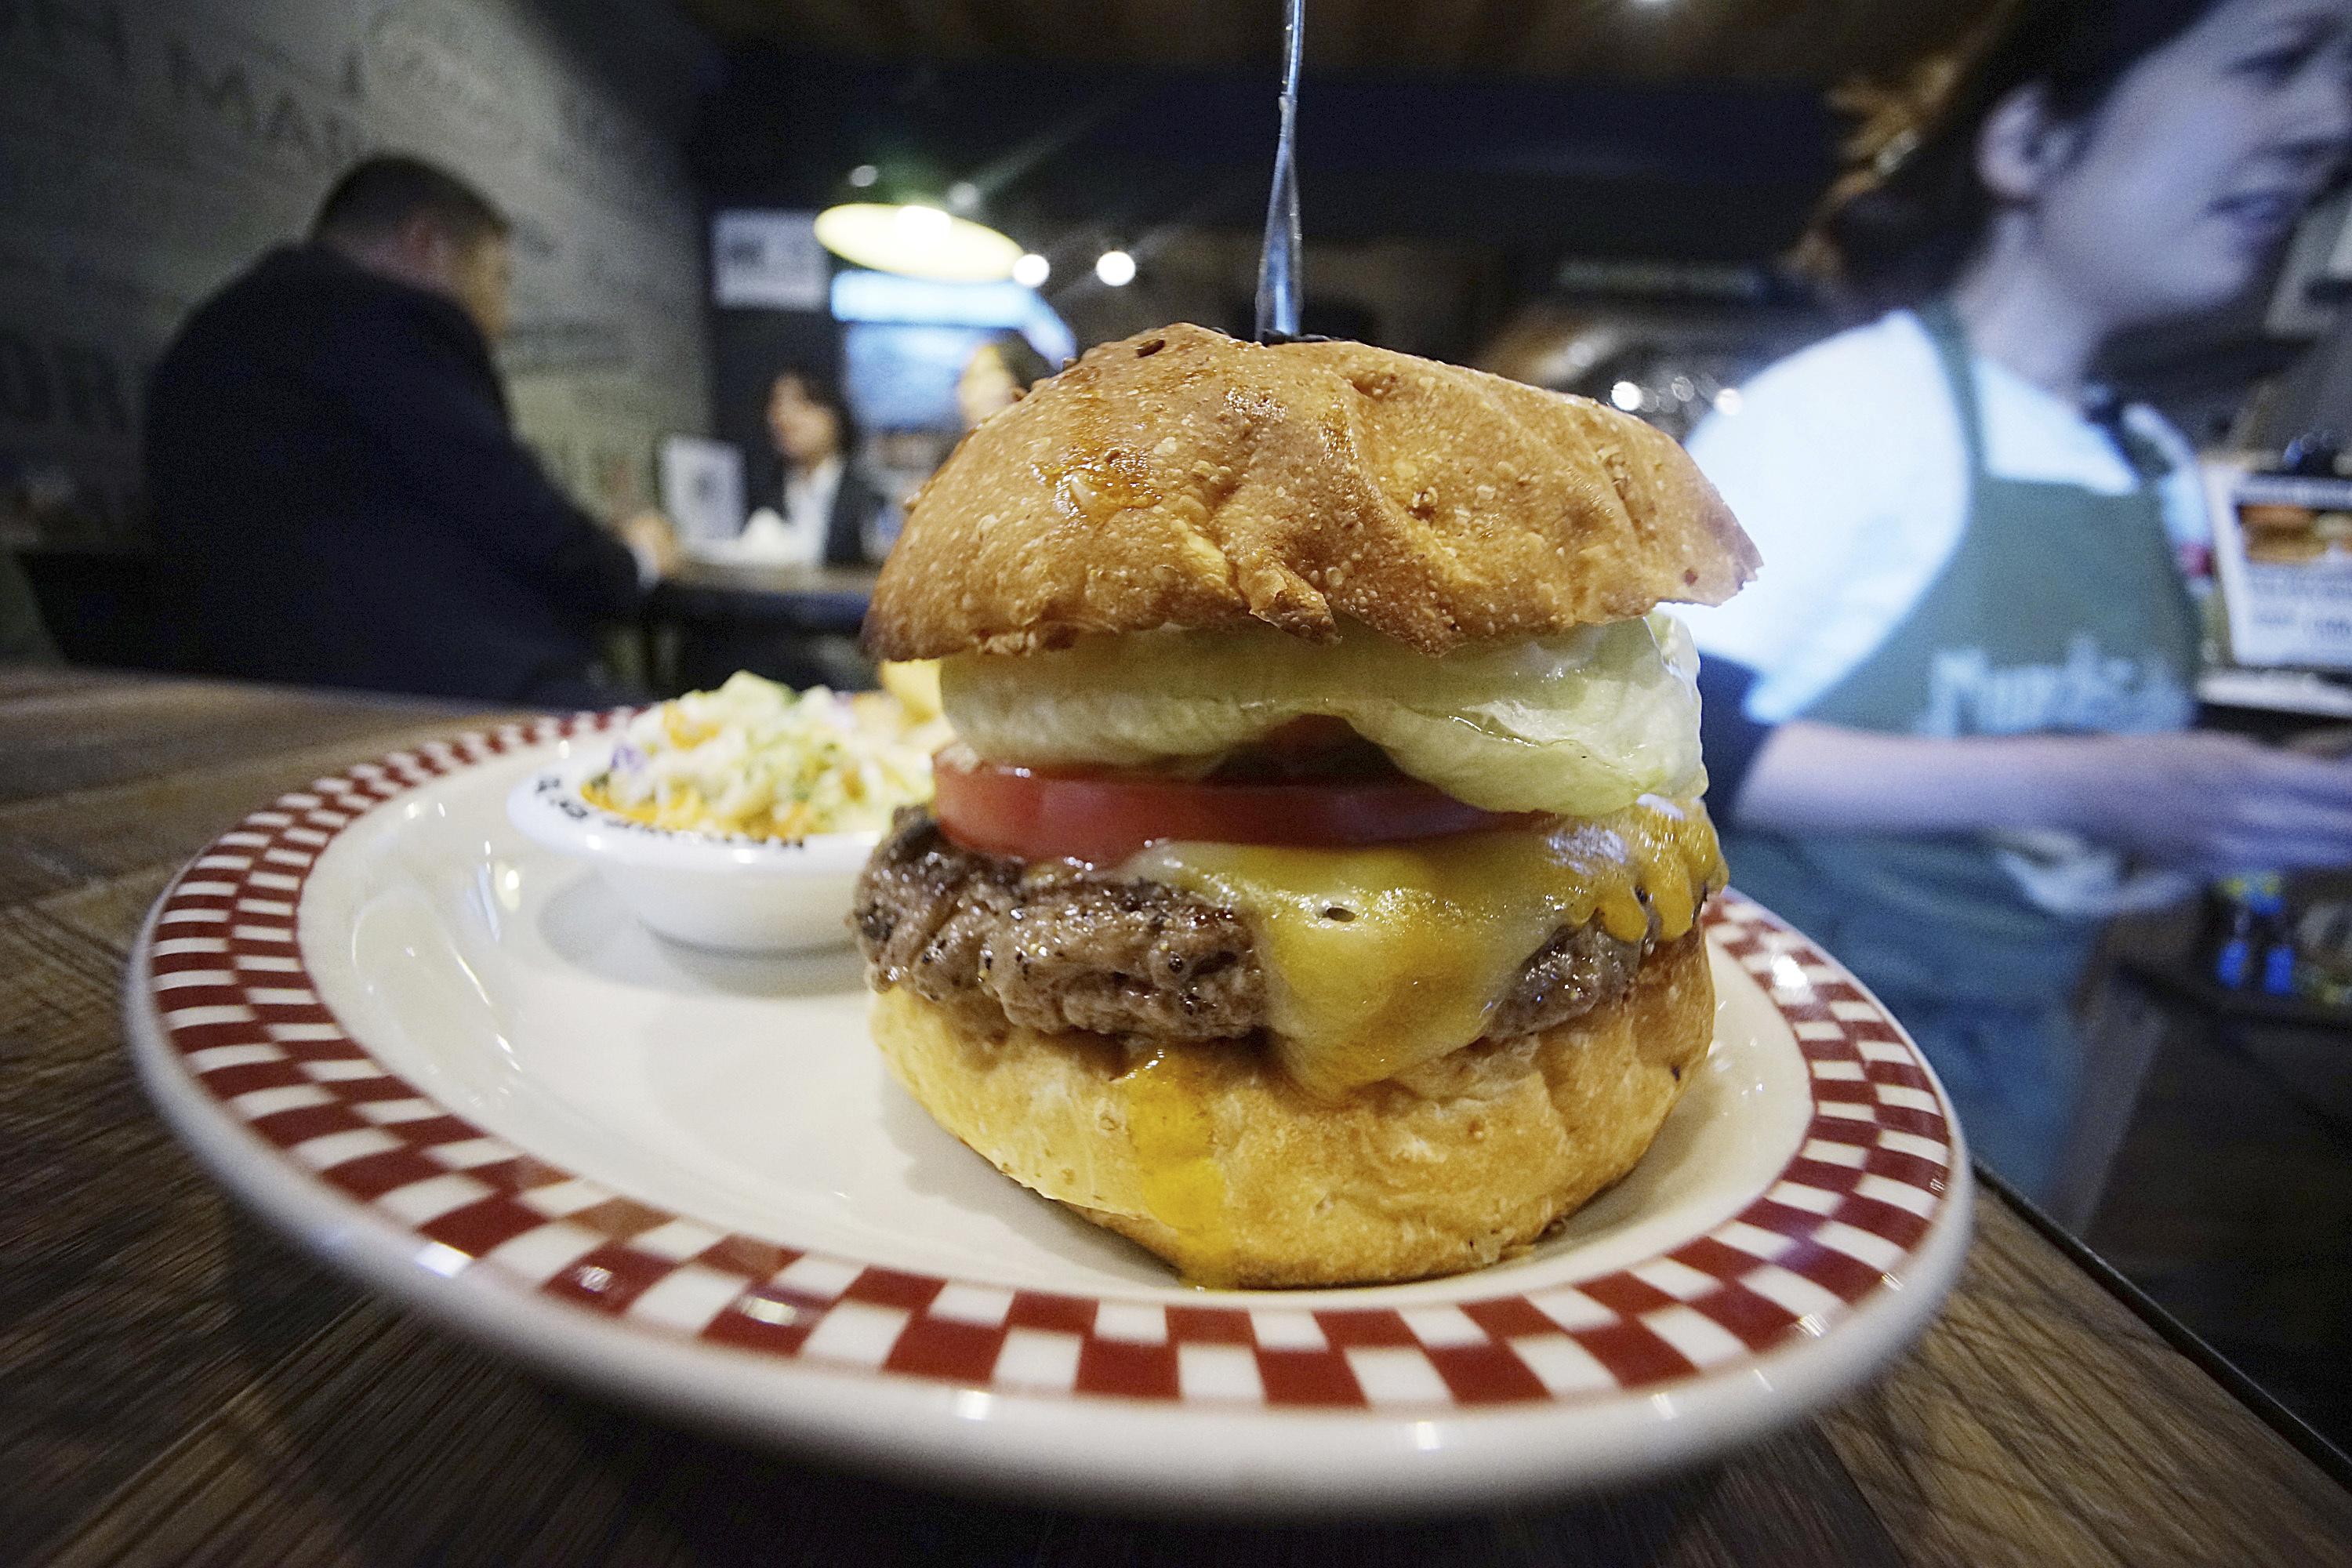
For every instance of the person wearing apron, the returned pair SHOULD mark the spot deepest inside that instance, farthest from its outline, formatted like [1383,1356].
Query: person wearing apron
[1945,727]
[2049,580]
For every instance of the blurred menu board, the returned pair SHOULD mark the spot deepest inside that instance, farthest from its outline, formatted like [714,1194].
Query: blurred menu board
[2282,549]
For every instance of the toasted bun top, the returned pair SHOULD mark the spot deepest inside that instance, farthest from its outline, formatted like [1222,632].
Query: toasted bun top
[1182,478]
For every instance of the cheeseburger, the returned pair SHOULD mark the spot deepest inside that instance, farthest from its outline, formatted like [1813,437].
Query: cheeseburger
[1312,892]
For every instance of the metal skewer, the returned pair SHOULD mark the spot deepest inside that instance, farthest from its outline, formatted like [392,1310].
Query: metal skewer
[1279,266]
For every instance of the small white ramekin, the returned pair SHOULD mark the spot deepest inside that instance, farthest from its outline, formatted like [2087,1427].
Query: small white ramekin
[731,892]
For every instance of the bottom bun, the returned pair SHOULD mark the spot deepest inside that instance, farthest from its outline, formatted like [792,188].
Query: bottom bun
[1212,1157]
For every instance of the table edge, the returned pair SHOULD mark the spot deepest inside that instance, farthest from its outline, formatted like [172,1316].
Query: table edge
[2302,1436]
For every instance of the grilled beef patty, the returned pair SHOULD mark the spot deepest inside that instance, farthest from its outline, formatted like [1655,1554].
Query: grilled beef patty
[1049,946]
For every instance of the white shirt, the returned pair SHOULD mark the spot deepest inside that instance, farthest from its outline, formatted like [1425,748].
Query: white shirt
[795,536]
[1846,464]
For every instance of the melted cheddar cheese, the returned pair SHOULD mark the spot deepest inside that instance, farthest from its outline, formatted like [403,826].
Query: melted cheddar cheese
[1175,1136]
[1381,959]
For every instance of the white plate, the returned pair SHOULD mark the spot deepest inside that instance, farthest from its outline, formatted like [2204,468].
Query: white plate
[445,1060]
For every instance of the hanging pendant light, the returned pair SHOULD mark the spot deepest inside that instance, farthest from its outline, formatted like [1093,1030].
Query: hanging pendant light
[916,239]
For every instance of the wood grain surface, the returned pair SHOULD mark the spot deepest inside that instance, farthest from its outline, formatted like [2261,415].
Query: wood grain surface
[177,1385]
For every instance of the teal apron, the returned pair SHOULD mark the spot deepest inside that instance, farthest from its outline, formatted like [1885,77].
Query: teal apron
[2062,610]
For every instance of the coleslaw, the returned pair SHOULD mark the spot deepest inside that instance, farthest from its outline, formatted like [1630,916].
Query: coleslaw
[760,760]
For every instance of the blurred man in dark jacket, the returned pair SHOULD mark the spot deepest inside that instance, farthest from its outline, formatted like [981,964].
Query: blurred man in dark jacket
[339,492]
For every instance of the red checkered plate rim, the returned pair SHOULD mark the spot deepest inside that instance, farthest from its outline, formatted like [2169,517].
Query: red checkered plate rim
[1831,1267]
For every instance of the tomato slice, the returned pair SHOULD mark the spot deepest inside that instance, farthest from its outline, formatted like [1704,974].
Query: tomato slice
[1034,814]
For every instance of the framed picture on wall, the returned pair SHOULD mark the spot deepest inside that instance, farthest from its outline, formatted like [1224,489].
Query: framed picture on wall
[702,488]
[768,259]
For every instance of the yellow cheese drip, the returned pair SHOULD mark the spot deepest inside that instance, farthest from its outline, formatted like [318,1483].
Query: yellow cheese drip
[1378,959]
[1168,1122]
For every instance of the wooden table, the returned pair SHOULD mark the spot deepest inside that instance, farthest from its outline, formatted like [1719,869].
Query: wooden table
[177,1385]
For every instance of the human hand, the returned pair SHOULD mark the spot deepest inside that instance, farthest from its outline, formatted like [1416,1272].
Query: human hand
[650,535]
[2213,804]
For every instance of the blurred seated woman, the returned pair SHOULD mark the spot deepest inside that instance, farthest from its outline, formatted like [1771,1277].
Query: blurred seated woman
[1949,723]
[817,508]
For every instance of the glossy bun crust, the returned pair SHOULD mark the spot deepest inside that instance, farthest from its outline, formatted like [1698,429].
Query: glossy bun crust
[1182,478]
[1215,1160]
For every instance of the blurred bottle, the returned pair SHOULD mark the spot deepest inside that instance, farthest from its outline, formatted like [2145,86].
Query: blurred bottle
[2314,454]
[2278,960]
[2251,946]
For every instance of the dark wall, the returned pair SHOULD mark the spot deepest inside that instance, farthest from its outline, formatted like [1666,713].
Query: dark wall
[150,149]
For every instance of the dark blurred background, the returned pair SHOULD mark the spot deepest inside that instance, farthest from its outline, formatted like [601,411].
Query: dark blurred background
[1593,197]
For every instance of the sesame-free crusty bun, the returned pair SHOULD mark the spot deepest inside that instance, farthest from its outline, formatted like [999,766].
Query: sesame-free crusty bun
[1182,478]
[1216,1161]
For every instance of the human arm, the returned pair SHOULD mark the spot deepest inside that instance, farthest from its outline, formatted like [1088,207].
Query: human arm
[1847,545]
[652,539]
[2205,803]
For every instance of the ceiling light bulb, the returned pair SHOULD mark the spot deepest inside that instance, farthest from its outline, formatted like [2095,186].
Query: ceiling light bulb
[864,175]
[1116,268]
[1031,270]
[1626,395]
[1729,401]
